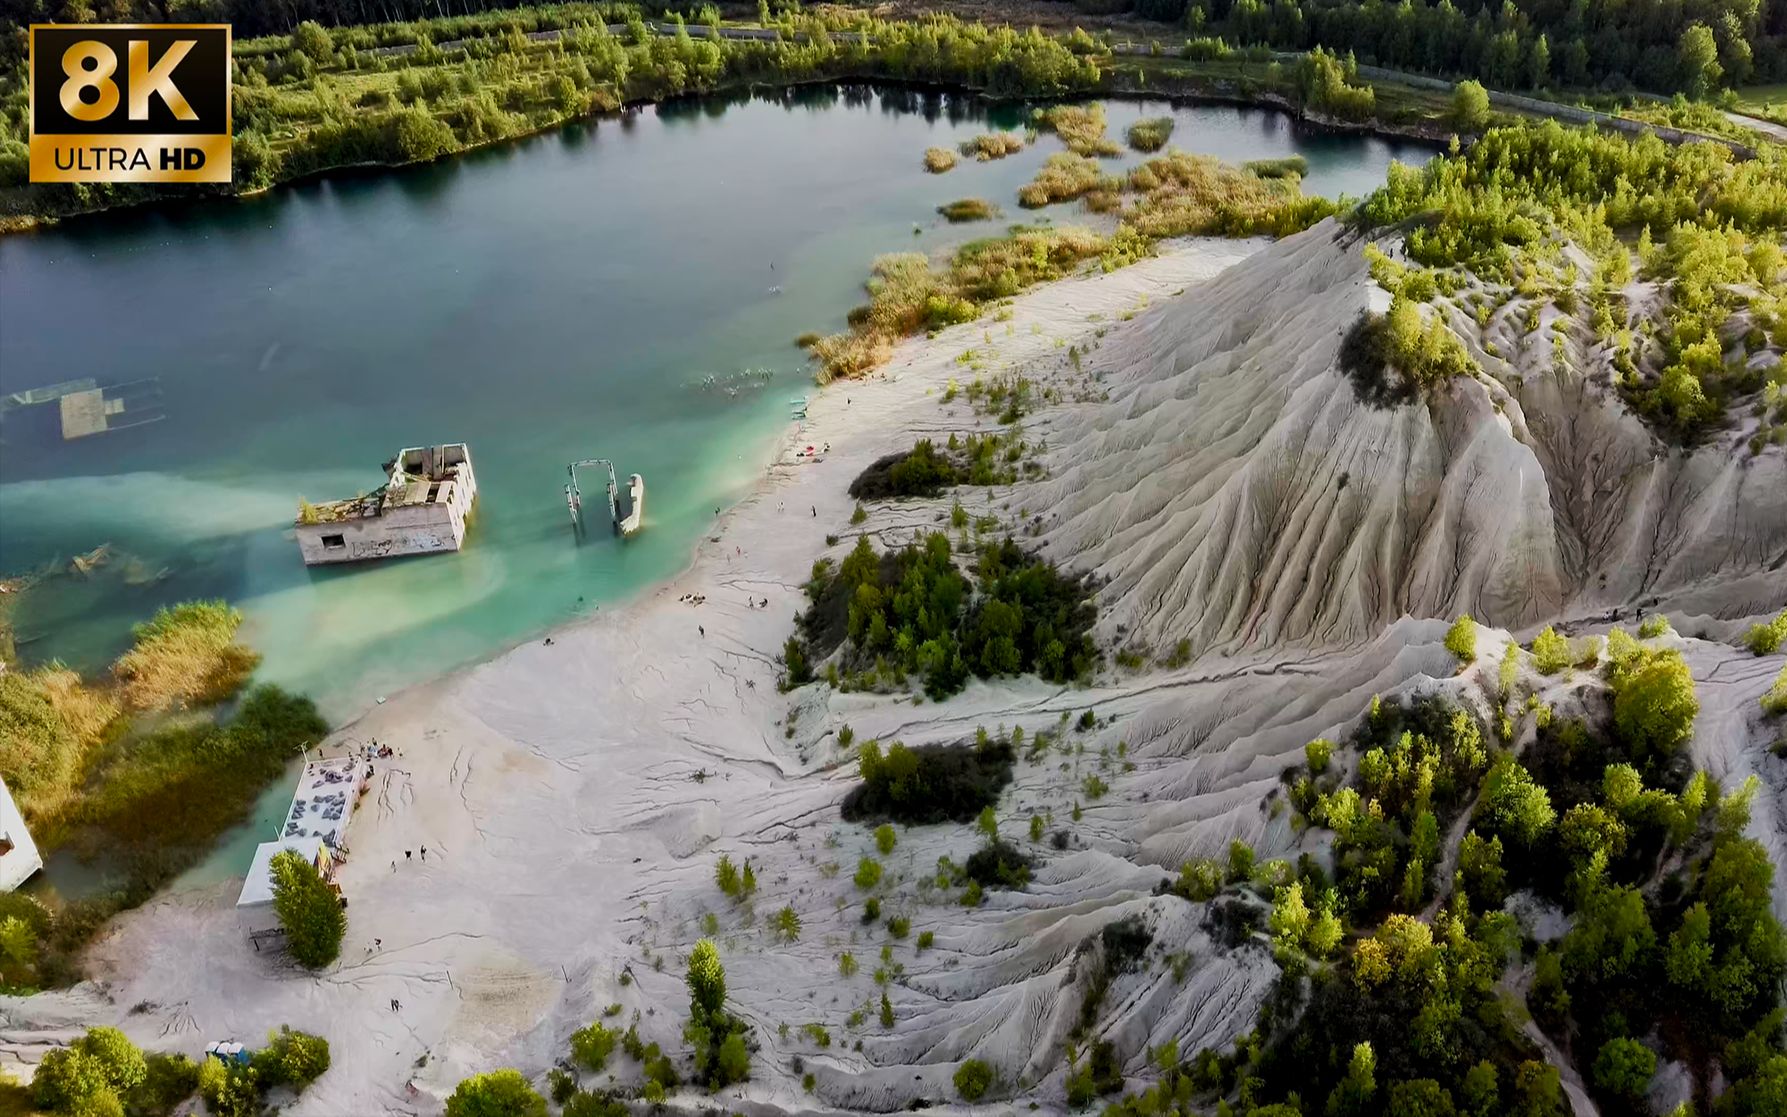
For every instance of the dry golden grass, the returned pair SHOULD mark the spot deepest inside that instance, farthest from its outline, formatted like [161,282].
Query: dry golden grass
[907,295]
[999,267]
[1174,195]
[850,354]
[1179,194]
[1081,128]
[1150,134]
[992,145]
[939,159]
[185,655]
[50,721]
[968,209]
[1064,177]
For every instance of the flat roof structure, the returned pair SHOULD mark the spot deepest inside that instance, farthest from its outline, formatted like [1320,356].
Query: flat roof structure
[324,801]
[257,890]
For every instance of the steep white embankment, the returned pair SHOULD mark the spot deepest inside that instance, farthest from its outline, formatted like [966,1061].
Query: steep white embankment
[1238,492]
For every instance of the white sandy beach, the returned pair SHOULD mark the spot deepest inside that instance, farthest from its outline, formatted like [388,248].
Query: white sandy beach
[574,797]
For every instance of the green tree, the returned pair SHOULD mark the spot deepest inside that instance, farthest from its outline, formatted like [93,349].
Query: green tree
[1775,701]
[291,1058]
[1480,864]
[591,1045]
[973,1079]
[1538,63]
[1317,753]
[308,909]
[1289,922]
[1513,805]
[1765,639]
[310,38]
[1551,651]
[1470,113]
[885,838]
[1324,934]
[1653,702]
[230,1090]
[1461,638]
[120,1062]
[868,873]
[1698,56]
[1612,941]
[734,1059]
[726,876]
[1623,1069]
[498,1093]
[1352,1097]
[68,1080]
[1420,1097]
[707,980]
[1481,1089]
[1240,860]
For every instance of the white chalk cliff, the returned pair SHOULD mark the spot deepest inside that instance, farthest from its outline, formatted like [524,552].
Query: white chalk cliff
[1238,493]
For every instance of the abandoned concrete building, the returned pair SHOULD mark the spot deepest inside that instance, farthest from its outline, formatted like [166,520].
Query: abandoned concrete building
[421,509]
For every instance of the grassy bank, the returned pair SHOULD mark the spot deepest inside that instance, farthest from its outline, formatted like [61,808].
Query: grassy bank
[138,772]
[1174,195]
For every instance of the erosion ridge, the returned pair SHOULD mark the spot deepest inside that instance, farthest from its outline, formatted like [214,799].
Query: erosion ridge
[1238,492]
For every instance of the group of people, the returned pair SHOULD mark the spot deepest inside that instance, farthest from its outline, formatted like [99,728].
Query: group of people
[694,598]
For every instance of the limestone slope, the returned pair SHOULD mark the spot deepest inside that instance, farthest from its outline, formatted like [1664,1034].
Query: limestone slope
[1238,493]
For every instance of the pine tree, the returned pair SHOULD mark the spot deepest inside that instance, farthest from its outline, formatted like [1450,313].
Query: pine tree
[308,909]
[707,980]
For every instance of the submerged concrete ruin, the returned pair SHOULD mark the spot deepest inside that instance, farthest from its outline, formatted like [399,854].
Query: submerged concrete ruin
[421,509]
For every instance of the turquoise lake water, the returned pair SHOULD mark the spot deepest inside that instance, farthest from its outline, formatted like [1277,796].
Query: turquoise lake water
[606,290]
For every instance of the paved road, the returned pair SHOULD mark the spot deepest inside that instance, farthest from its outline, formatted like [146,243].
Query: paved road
[1776,132]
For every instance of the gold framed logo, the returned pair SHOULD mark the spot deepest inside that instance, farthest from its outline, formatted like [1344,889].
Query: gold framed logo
[130,102]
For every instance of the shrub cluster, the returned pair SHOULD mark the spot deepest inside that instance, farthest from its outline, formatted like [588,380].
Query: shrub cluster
[1392,357]
[1519,192]
[1150,134]
[930,783]
[913,612]
[1673,951]
[925,470]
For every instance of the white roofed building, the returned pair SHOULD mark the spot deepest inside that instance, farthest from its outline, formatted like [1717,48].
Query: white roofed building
[257,890]
[18,853]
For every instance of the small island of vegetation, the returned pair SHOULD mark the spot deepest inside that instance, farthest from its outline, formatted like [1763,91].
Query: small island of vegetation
[138,772]
[913,612]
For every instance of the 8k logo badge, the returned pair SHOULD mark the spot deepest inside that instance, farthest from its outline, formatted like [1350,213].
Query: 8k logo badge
[145,102]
